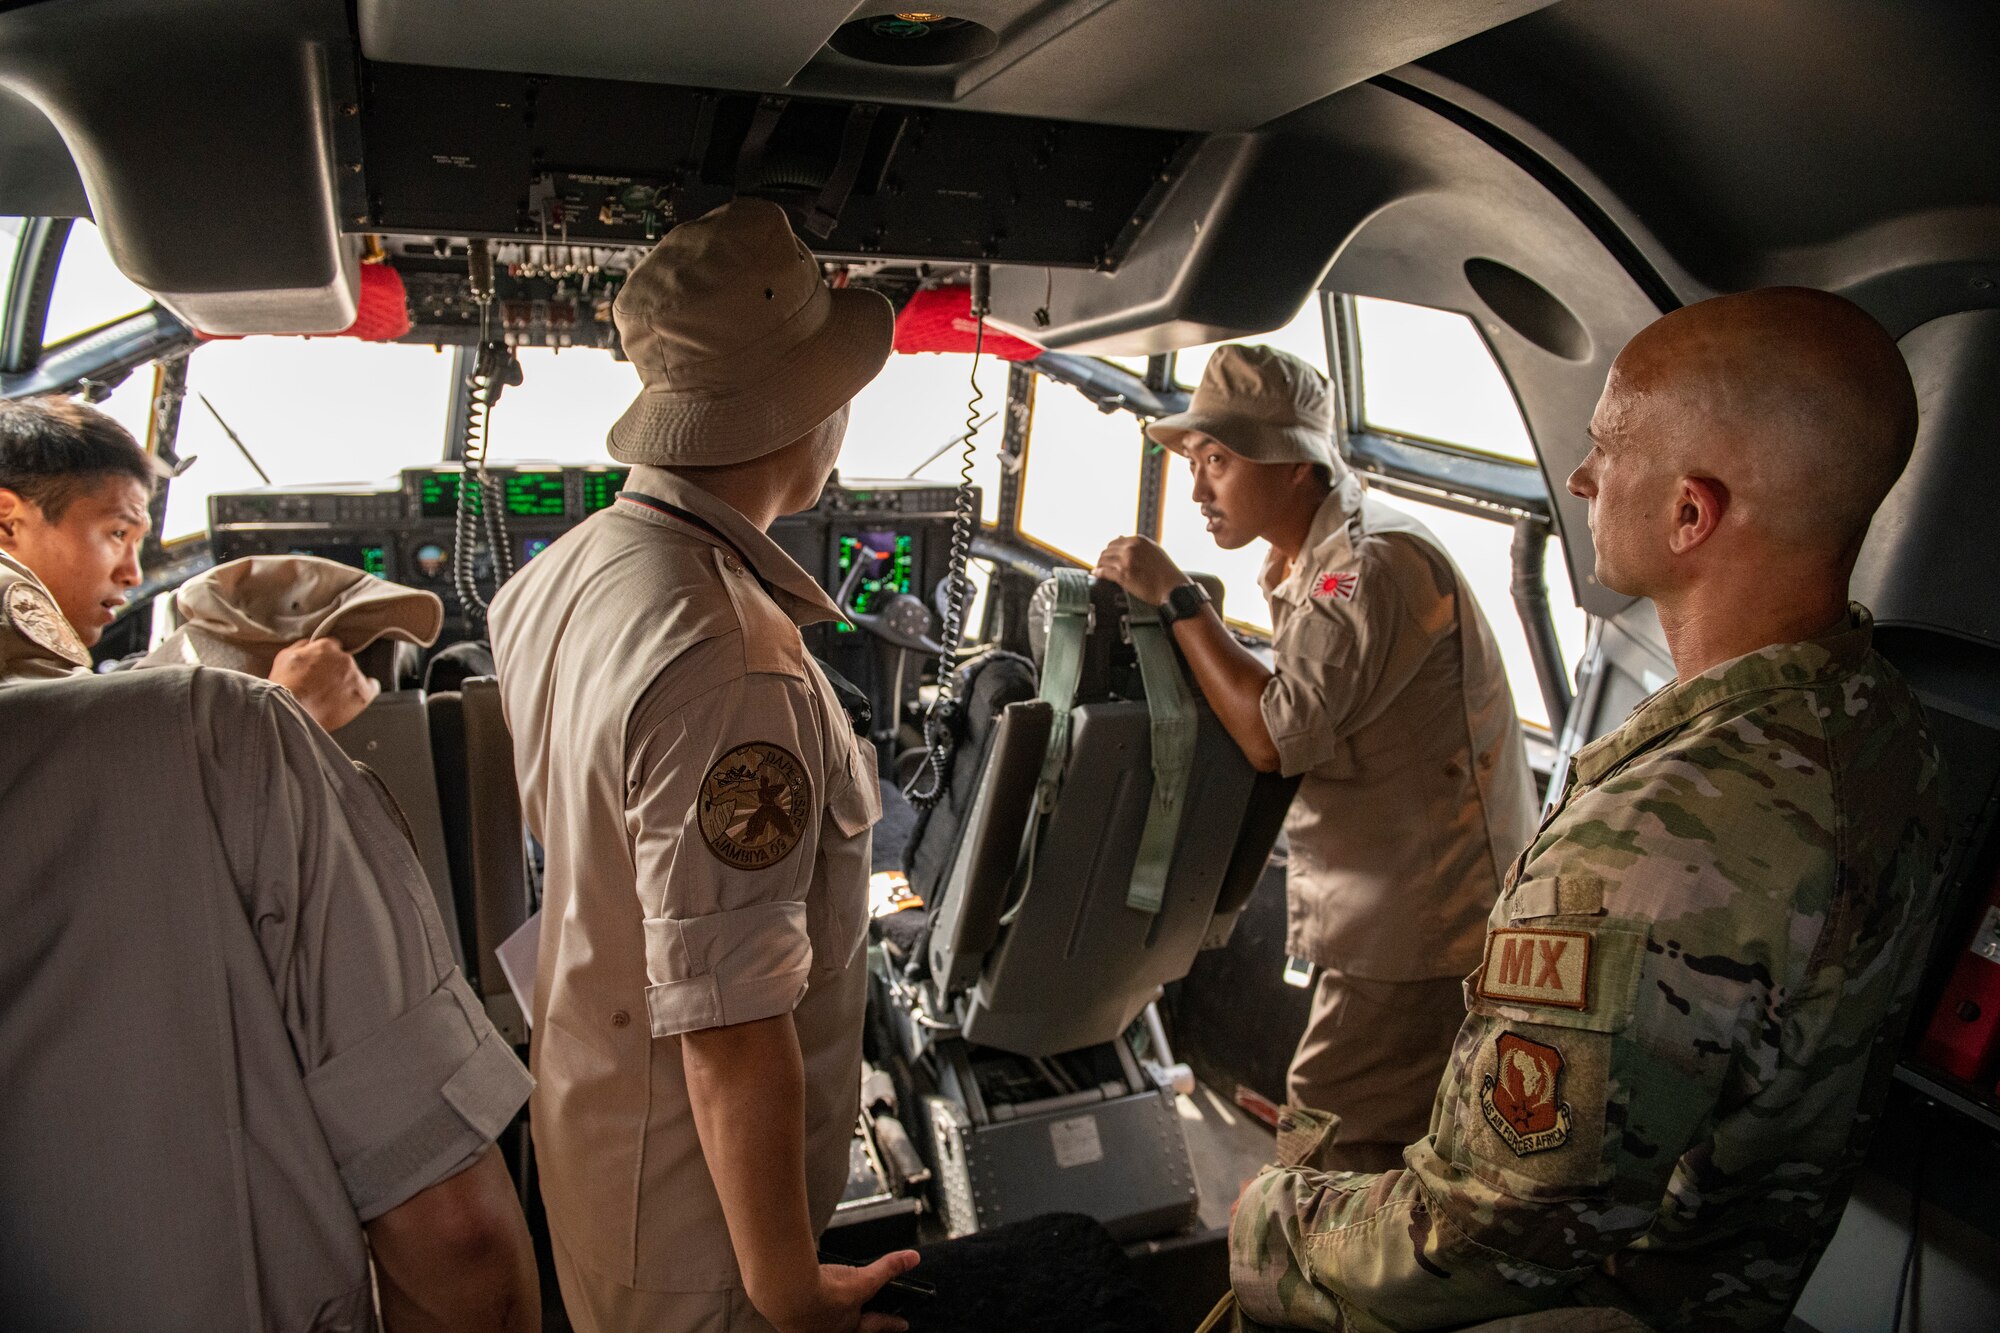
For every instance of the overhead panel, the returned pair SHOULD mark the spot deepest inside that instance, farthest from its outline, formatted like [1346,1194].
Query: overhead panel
[455,152]
[745,44]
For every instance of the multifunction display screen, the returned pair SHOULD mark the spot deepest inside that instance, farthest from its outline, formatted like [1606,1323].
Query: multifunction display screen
[437,495]
[535,494]
[373,559]
[887,560]
[601,487]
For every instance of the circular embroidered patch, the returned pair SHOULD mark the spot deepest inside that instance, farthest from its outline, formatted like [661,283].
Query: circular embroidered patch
[755,804]
[41,622]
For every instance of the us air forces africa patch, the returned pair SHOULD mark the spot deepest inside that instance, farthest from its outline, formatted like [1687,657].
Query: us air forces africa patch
[756,803]
[35,616]
[1522,1096]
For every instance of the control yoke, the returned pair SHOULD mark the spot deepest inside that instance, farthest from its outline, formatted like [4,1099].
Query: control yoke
[903,621]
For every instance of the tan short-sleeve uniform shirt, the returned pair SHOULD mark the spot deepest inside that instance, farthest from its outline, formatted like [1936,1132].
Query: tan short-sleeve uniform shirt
[232,1030]
[1391,699]
[706,810]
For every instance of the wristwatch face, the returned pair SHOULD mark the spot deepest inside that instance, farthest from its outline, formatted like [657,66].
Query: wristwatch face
[1183,602]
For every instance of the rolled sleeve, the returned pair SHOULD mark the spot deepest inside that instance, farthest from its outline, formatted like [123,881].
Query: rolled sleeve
[417,1100]
[407,1077]
[726,925]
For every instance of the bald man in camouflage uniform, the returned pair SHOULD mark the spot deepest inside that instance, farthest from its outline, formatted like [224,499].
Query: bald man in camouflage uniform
[1694,980]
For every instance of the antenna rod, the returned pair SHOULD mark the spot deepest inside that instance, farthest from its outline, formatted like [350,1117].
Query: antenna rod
[241,448]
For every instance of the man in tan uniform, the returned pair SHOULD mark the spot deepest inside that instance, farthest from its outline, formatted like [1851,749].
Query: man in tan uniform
[706,810]
[74,487]
[1387,693]
[238,1058]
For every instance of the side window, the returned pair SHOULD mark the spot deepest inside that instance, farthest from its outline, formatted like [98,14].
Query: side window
[90,292]
[1427,377]
[1080,485]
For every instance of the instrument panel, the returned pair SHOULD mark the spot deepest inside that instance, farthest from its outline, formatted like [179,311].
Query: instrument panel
[405,531]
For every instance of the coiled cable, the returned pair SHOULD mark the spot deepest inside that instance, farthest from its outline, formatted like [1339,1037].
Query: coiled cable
[927,787]
[495,368]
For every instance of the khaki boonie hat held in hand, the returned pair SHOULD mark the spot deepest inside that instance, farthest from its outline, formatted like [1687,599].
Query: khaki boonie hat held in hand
[741,345]
[1262,403]
[239,615]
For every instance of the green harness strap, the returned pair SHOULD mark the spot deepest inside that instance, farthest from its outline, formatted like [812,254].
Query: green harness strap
[1171,708]
[1062,667]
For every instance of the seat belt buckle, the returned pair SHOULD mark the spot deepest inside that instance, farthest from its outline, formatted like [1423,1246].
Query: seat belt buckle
[1300,972]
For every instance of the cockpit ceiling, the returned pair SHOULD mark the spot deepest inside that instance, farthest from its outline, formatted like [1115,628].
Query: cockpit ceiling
[1167,64]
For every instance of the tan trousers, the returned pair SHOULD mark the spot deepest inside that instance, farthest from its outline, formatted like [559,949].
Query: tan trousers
[1373,1054]
[599,1305]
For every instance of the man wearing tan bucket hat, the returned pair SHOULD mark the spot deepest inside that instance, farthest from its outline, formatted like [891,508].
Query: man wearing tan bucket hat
[706,810]
[1387,693]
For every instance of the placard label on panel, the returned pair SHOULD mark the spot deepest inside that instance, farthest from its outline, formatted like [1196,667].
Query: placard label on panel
[1076,1141]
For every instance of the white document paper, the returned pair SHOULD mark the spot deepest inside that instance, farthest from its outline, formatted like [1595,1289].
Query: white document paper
[518,954]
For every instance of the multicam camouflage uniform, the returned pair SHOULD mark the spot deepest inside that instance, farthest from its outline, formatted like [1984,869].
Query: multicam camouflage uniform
[1679,1039]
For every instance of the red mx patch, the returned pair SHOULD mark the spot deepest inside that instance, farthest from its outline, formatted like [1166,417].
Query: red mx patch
[1522,1096]
[1340,587]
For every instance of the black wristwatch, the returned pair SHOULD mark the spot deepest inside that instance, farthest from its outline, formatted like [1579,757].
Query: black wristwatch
[1184,601]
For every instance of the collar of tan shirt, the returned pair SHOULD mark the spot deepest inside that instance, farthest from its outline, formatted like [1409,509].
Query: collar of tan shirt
[1329,526]
[794,590]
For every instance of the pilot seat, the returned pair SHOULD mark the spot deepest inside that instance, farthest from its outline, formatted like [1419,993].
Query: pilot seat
[1099,828]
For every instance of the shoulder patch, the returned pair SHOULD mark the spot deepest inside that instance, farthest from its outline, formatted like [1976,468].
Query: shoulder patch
[1522,1097]
[755,805]
[1336,587]
[1549,967]
[40,621]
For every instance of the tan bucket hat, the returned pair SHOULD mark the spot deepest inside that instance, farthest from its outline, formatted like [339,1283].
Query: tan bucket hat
[240,614]
[740,344]
[1262,403]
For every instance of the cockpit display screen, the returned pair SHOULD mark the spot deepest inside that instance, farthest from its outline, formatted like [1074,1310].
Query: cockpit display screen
[888,559]
[536,494]
[437,495]
[372,559]
[601,487]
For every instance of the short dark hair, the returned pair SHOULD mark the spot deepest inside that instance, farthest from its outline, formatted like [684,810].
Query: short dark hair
[53,449]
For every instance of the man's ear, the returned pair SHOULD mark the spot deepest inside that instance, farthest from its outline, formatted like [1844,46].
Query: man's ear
[1699,506]
[12,507]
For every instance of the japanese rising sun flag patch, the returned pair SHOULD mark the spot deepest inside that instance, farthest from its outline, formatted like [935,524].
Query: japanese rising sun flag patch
[1537,967]
[755,805]
[1339,587]
[1522,1097]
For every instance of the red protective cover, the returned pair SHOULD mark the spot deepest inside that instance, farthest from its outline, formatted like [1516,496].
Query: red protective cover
[1963,1038]
[939,319]
[382,313]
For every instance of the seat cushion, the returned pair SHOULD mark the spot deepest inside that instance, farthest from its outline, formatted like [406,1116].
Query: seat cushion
[1057,1271]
